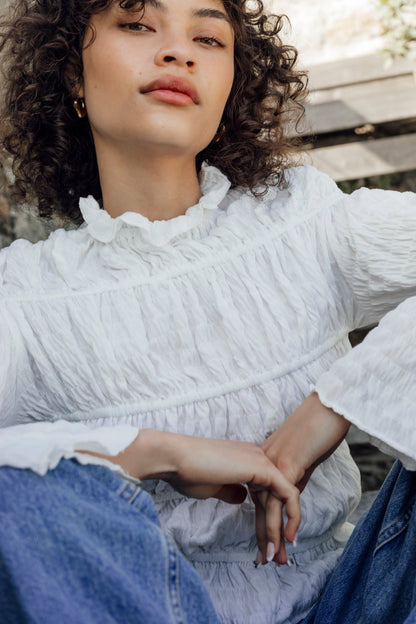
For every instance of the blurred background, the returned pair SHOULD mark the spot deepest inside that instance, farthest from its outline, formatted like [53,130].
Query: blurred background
[326,30]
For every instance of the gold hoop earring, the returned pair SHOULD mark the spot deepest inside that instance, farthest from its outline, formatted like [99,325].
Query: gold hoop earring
[80,108]
[220,132]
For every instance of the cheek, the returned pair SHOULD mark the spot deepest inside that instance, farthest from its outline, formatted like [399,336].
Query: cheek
[106,87]
[220,83]
[227,78]
[96,74]
[105,65]
[219,88]
[226,86]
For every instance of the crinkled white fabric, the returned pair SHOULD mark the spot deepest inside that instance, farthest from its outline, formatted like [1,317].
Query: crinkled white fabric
[217,323]
[104,228]
[41,446]
[386,403]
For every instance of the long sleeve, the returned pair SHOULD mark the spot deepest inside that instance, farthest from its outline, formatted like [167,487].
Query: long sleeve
[374,385]
[372,236]
[40,446]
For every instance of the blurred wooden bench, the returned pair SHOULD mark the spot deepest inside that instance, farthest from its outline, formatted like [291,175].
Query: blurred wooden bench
[361,117]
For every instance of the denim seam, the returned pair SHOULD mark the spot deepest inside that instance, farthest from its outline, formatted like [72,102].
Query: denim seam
[173,581]
[394,529]
[136,492]
[129,492]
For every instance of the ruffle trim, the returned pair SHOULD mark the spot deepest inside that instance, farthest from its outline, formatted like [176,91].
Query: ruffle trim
[104,228]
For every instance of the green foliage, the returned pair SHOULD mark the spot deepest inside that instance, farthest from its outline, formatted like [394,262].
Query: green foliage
[398,18]
[401,181]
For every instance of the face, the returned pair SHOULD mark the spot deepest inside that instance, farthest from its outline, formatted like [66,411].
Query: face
[158,79]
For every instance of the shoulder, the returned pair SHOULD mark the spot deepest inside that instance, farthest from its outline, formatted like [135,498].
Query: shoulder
[314,187]
[297,195]
[34,268]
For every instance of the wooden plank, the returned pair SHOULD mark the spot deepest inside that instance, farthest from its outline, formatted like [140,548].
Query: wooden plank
[358,69]
[375,103]
[366,158]
[363,89]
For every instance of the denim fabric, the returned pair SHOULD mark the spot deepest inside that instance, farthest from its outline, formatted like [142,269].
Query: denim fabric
[375,579]
[412,618]
[83,546]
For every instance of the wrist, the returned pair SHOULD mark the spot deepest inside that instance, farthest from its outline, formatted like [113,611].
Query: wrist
[325,427]
[306,438]
[317,406]
[149,456]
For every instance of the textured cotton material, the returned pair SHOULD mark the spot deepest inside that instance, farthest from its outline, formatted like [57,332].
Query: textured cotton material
[219,323]
[384,406]
[41,446]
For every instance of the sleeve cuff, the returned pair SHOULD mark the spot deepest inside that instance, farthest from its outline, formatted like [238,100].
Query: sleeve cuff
[374,385]
[41,446]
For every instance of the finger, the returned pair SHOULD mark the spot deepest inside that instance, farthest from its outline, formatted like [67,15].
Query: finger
[281,489]
[259,499]
[281,557]
[274,526]
[293,512]
[290,495]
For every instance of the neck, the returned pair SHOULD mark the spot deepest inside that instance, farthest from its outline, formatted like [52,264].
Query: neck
[158,187]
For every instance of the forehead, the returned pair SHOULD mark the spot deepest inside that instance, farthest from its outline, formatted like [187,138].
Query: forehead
[210,8]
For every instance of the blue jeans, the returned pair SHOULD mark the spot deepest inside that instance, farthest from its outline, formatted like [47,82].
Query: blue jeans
[374,581]
[83,546]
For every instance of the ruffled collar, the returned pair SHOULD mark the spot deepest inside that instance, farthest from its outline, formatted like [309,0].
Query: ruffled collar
[104,228]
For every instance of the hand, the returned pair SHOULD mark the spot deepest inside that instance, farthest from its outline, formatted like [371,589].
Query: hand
[305,439]
[302,442]
[205,467]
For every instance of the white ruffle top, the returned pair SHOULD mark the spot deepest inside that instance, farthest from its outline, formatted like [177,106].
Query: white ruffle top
[218,323]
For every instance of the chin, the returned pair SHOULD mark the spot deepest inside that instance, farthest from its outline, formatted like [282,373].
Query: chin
[175,144]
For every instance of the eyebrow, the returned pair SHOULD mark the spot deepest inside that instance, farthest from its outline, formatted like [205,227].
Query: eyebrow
[212,13]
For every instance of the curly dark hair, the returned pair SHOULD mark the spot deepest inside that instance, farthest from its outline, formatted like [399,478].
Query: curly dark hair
[53,152]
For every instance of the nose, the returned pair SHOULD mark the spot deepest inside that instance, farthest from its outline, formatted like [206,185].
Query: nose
[176,50]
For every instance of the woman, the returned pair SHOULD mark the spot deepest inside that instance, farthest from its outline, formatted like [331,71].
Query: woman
[209,295]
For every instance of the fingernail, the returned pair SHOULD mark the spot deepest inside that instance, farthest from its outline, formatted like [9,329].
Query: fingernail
[289,562]
[270,552]
[259,559]
[295,539]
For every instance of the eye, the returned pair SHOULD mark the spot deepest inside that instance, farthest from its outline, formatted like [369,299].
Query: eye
[135,26]
[210,41]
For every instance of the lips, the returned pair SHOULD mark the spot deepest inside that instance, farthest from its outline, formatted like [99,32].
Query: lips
[173,84]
